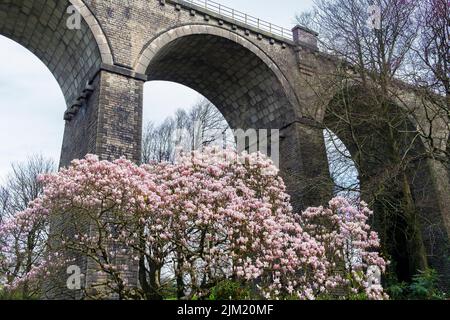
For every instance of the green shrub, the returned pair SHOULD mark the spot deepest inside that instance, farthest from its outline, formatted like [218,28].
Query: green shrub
[424,286]
[398,290]
[230,290]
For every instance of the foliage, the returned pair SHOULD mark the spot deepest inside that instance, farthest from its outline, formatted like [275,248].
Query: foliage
[382,48]
[24,244]
[213,215]
[424,286]
[231,290]
[349,245]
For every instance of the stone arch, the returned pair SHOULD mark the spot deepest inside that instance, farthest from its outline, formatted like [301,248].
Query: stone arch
[96,29]
[363,127]
[73,56]
[191,47]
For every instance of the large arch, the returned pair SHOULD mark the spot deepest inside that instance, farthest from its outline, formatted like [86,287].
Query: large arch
[232,72]
[73,56]
[251,91]
[397,177]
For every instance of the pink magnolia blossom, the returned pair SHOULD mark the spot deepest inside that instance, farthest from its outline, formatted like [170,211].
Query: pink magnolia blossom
[213,215]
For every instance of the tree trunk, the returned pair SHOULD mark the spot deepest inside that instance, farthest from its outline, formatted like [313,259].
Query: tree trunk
[417,253]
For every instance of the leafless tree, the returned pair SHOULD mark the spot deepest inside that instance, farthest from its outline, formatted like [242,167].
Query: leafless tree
[384,136]
[158,142]
[433,47]
[307,19]
[21,187]
[4,198]
[432,56]
[202,125]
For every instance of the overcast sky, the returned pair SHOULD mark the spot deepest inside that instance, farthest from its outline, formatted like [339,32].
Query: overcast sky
[32,104]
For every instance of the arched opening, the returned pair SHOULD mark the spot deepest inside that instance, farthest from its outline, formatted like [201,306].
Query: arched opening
[168,97]
[31,104]
[343,170]
[40,26]
[388,153]
[179,118]
[72,54]
[252,94]
[243,87]
[234,75]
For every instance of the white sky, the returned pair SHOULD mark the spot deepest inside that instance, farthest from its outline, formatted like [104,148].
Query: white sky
[32,104]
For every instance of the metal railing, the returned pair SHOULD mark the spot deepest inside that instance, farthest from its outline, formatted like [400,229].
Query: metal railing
[241,17]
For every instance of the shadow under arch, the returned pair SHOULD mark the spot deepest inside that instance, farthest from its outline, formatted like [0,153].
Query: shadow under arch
[395,176]
[250,91]
[230,71]
[73,56]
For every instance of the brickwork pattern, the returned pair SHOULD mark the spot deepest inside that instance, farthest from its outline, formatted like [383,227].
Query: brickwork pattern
[40,26]
[427,177]
[245,89]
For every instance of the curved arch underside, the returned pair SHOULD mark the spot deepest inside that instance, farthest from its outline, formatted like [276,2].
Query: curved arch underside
[241,85]
[395,173]
[40,26]
[358,119]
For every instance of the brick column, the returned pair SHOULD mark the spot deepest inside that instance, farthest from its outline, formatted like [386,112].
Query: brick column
[119,128]
[107,121]
[304,165]
[80,133]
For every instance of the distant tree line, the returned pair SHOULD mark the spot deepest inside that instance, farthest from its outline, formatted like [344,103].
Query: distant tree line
[199,126]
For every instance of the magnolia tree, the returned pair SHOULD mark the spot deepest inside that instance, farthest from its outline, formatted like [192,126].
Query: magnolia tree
[183,228]
[353,265]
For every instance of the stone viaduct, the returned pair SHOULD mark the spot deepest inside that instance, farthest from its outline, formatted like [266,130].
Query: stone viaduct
[258,75]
